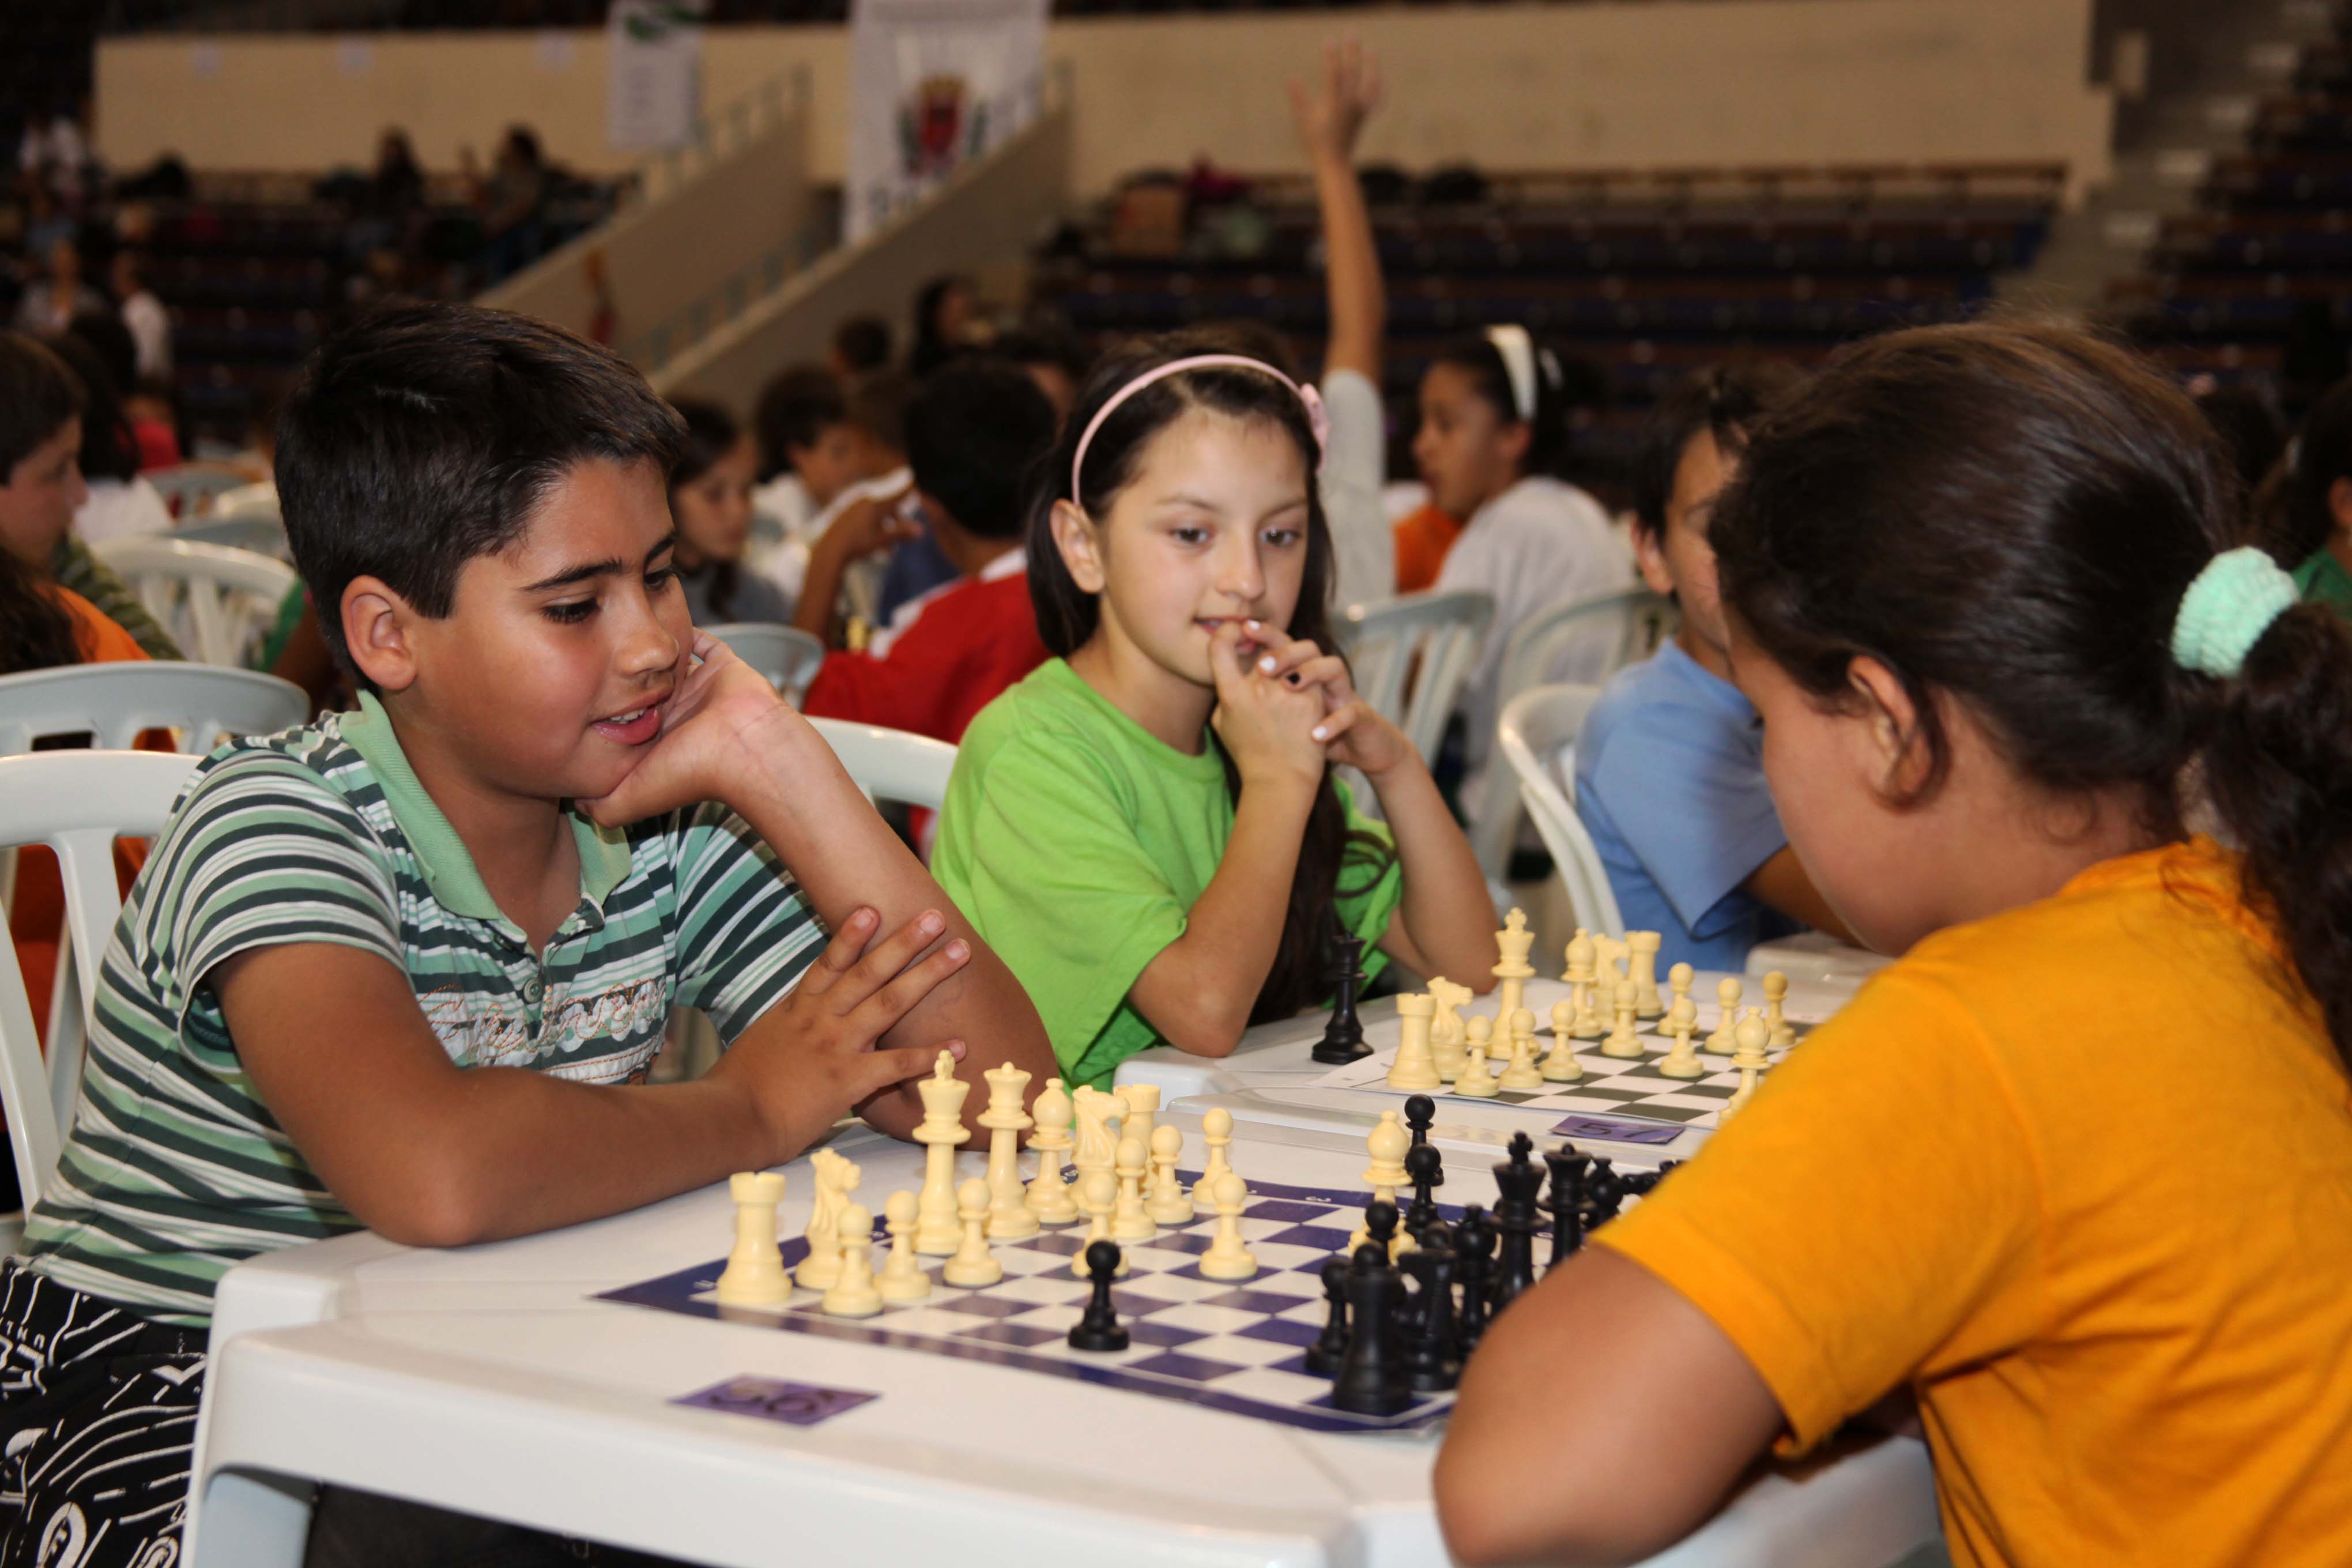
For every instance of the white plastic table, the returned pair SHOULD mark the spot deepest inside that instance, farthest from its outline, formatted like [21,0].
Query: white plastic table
[490,1381]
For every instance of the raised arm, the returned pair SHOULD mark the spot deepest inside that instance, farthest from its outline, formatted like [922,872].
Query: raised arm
[1329,120]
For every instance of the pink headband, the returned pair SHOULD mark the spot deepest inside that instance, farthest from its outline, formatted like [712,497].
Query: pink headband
[1317,418]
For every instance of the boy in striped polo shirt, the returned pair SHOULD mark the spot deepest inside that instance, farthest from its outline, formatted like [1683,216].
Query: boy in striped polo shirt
[403,967]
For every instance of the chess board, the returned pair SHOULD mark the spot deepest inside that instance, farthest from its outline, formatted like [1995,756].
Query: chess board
[1612,1085]
[1236,1346]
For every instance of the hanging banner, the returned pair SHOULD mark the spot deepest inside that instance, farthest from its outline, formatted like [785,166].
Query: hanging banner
[653,74]
[933,85]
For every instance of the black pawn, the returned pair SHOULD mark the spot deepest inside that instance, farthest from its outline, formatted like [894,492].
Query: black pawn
[1567,1202]
[1426,1166]
[1473,1254]
[1098,1328]
[1373,1377]
[1419,1111]
[1323,1357]
[1379,1226]
[1343,1038]
[1433,1362]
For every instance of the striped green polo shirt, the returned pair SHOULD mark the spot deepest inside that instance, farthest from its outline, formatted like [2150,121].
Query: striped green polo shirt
[175,1169]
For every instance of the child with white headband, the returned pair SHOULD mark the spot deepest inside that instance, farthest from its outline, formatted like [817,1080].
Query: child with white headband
[1148,828]
[2075,1171]
[1493,434]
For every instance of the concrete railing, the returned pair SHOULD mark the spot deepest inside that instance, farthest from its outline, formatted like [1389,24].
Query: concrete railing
[734,204]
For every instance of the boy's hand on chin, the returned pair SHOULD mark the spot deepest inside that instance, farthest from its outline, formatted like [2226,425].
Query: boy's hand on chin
[720,703]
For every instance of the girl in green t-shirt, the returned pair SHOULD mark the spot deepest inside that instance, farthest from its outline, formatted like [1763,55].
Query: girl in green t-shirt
[2309,524]
[1147,828]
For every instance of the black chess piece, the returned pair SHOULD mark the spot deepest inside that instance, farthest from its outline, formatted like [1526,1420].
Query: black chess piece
[1324,1356]
[1604,1194]
[1473,1263]
[1567,1203]
[1518,1180]
[1373,1377]
[1381,1226]
[1433,1362]
[1098,1328]
[1426,1166]
[1419,1111]
[1343,1038]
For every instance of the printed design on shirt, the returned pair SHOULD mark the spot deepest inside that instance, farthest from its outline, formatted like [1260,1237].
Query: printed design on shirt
[478,1030]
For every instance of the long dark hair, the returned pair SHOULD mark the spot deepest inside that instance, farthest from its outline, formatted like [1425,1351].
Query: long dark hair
[36,632]
[2009,513]
[2298,526]
[110,447]
[710,433]
[1068,615]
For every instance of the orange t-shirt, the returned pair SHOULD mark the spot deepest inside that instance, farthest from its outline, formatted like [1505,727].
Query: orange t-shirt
[1423,538]
[2081,1174]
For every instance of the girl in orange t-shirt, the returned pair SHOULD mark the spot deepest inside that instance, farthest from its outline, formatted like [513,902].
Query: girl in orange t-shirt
[2074,1172]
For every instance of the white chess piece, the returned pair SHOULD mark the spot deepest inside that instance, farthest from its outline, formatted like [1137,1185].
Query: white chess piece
[1415,1067]
[1227,1259]
[940,1131]
[755,1273]
[836,1177]
[1141,1100]
[1009,1218]
[1622,1040]
[1560,1065]
[1387,1144]
[1584,987]
[1168,1206]
[903,1278]
[1727,998]
[1682,1022]
[1521,1073]
[1643,959]
[973,1263]
[1476,1083]
[1217,1130]
[1776,995]
[853,1294]
[1445,1036]
[1097,1194]
[1097,1148]
[1679,980]
[1131,1223]
[1048,1196]
[1749,1057]
[1478,1035]
[1514,972]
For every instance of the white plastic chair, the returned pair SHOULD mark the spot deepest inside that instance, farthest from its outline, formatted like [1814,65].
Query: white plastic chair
[260,531]
[78,803]
[216,601]
[1412,655]
[1537,736]
[787,656]
[113,703]
[891,765]
[189,488]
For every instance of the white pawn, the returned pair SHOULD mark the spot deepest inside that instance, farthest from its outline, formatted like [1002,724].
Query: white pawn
[1131,1223]
[1682,1022]
[1478,1035]
[755,1273]
[852,1293]
[1227,1259]
[1560,1065]
[1747,1056]
[1622,1040]
[904,1278]
[1679,978]
[1776,994]
[973,1263]
[1217,1128]
[1727,998]
[1048,1196]
[1476,1083]
[1168,1203]
[1521,1075]
[1097,1194]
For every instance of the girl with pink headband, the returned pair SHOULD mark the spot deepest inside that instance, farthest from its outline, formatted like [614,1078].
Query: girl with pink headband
[1148,828]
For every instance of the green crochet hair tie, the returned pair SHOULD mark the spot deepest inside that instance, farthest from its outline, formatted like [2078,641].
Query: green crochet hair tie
[2228,608]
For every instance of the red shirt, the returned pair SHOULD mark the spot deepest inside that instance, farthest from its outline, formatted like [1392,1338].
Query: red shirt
[972,640]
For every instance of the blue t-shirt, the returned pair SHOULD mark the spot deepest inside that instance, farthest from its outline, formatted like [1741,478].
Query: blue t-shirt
[1670,783]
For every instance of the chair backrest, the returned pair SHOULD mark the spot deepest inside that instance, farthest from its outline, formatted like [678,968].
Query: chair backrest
[891,765]
[216,601]
[78,803]
[113,703]
[188,488]
[1536,735]
[260,531]
[1412,655]
[787,656]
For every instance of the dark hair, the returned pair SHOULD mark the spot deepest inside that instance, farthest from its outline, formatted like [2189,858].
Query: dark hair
[2322,453]
[864,343]
[2007,513]
[523,142]
[2250,430]
[39,392]
[878,405]
[974,432]
[1069,615]
[710,433]
[35,631]
[426,434]
[1546,423]
[110,449]
[1725,400]
[795,409]
[931,349]
[1045,345]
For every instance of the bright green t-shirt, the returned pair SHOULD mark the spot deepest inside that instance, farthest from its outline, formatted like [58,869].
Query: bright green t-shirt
[1077,844]
[2323,581]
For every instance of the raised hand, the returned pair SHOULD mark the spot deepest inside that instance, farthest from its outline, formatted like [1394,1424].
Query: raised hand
[1329,120]
[1266,722]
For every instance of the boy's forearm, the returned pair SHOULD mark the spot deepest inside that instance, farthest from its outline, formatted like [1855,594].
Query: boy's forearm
[1352,281]
[1446,911]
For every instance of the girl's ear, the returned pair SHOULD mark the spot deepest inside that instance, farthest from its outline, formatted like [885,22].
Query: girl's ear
[1514,439]
[1081,546]
[1893,720]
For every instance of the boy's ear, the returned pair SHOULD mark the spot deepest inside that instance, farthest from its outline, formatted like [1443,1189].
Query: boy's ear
[1893,726]
[1081,550]
[377,628]
[1650,555]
